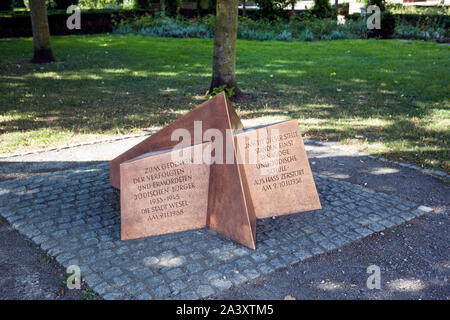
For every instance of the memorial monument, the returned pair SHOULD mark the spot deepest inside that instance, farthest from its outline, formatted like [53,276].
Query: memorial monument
[241,175]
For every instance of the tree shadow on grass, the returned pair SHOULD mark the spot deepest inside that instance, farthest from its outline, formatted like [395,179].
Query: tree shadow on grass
[107,84]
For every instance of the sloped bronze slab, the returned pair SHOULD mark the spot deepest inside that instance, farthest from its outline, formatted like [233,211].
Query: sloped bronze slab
[161,195]
[229,210]
[226,196]
[279,178]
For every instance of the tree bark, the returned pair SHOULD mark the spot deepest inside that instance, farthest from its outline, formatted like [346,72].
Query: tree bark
[224,59]
[41,32]
[336,3]
[244,8]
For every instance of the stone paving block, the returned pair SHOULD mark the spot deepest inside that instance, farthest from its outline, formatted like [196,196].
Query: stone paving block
[211,274]
[193,268]
[396,220]
[353,236]
[251,274]
[92,278]
[161,292]
[375,227]
[204,291]
[116,295]
[175,273]
[187,295]
[339,240]
[176,286]
[407,215]
[101,288]
[155,281]
[74,215]
[144,296]
[317,237]
[221,284]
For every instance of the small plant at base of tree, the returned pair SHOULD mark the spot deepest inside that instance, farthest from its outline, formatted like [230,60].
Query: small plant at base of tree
[229,92]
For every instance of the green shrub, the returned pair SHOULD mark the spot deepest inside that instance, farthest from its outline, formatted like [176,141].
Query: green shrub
[99,4]
[397,8]
[141,4]
[379,3]
[272,9]
[322,9]
[18,4]
[387,25]
[285,36]
[307,35]
[171,7]
[358,27]
[64,4]
[260,35]
[165,27]
[307,28]
[415,33]
[229,92]
[424,20]
[338,34]
[319,27]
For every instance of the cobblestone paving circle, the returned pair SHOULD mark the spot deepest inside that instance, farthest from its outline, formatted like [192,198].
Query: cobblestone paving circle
[74,215]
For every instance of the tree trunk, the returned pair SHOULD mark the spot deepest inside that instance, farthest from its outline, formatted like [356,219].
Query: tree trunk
[224,59]
[41,32]
[244,8]
[336,2]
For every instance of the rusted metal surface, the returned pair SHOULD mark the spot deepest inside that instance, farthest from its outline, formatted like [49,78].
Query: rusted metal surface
[281,182]
[160,195]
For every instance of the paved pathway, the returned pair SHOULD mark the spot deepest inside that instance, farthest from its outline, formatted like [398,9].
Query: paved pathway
[64,204]
[74,215]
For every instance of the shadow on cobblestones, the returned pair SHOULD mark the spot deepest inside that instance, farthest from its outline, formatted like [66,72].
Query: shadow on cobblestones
[75,215]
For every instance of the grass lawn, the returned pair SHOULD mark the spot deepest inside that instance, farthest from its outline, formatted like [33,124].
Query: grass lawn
[389,98]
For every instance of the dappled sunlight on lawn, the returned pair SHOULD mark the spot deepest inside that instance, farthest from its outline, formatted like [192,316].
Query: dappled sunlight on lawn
[376,96]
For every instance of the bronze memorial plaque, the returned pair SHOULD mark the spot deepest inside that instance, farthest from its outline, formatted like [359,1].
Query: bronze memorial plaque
[162,194]
[278,176]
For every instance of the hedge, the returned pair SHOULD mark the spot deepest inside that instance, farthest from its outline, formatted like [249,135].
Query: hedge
[18,24]
[93,21]
[416,20]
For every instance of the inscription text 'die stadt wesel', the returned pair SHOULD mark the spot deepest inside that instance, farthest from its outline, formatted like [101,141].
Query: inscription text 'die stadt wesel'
[160,195]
